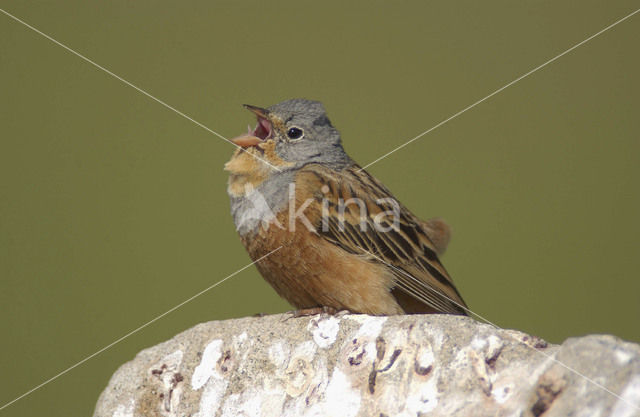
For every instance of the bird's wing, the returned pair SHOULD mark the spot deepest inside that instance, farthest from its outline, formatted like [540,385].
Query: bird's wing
[363,218]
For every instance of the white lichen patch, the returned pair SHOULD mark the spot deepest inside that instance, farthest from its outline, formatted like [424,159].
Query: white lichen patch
[170,362]
[324,330]
[340,398]
[279,353]
[622,356]
[305,350]
[240,405]
[271,401]
[206,374]
[422,397]
[629,403]
[478,343]
[361,345]
[241,338]
[211,397]
[242,345]
[490,345]
[502,393]
[371,325]
[242,342]
[424,359]
[207,366]
[125,410]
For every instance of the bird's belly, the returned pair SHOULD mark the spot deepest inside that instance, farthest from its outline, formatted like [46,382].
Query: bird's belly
[308,271]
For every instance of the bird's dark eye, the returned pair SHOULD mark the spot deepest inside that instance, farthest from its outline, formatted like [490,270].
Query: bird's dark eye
[295,133]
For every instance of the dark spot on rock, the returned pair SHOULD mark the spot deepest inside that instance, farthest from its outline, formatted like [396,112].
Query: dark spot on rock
[159,371]
[357,360]
[546,394]
[312,394]
[167,401]
[175,380]
[486,386]
[161,395]
[372,380]
[392,360]
[223,361]
[355,341]
[541,344]
[491,361]
[421,370]
[380,347]
[383,415]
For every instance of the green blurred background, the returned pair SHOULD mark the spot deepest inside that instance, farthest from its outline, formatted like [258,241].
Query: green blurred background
[113,209]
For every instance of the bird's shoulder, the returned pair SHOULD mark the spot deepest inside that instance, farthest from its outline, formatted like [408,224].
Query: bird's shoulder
[358,211]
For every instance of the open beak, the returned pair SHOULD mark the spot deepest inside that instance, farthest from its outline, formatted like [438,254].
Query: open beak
[260,133]
[259,111]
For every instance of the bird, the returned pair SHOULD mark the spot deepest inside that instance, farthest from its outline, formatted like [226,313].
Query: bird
[322,231]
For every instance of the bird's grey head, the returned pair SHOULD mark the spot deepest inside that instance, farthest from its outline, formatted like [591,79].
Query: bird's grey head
[302,133]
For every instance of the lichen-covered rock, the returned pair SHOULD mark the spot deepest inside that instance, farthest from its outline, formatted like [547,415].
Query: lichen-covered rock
[357,365]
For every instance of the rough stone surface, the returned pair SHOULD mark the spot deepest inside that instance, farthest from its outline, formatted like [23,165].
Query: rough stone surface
[356,365]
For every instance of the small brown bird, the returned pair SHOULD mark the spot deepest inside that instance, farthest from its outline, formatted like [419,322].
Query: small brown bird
[340,238]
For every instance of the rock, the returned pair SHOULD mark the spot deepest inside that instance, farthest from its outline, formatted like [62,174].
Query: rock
[357,365]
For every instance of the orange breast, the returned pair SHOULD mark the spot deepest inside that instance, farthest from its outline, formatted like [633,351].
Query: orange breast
[308,271]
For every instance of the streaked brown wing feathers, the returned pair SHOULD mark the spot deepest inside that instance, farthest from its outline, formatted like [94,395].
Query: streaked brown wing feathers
[405,249]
